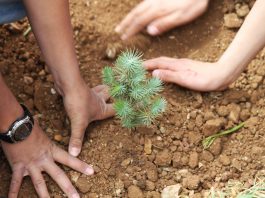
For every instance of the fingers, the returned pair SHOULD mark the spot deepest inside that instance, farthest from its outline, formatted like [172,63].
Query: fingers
[99,88]
[184,78]
[63,157]
[15,184]
[76,141]
[139,23]
[38,182]
[134,14]
[166,23]
[164,63]
[61,179]
[108,111]
[102,91]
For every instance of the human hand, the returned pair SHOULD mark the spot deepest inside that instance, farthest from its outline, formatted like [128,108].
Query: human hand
[195,75]
[160,16]
[83,106]
[37,154]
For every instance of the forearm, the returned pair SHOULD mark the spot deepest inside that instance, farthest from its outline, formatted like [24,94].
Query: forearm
[50,21]
[10,109]
[249,40]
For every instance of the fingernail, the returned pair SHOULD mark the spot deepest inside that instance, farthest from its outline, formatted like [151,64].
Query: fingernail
[152,30]
[74,151]
[75,195]
[156,73]
[118,29]
[124,37]
[89,171]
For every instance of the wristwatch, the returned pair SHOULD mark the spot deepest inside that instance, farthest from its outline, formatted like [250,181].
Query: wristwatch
[19,129]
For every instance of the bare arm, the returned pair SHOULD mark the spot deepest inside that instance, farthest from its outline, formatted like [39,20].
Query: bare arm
[51,25]
[204,76]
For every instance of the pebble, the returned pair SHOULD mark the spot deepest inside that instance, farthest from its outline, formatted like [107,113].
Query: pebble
[150,186]
[193,160]
[83,185]
[58,137]
[225,160]
[242,11]
[135,192]
[28,80]
[207,156]
[163,158]
[213,126]
[126,162]
[153,194]
[216,147]
[147,146]
[232,21]
[192,182]
[151,172]
[234,112]
[171,191]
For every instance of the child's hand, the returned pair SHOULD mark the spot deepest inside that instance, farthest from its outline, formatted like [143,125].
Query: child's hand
[160,16]
[200,76]
[83,106]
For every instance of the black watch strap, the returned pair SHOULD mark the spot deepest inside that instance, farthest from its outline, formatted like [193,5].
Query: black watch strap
[5,136]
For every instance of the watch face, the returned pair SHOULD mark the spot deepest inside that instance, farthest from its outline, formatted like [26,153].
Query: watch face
[22,132]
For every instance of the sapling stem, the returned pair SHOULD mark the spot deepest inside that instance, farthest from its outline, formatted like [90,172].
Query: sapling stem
[136,98]
[207,142]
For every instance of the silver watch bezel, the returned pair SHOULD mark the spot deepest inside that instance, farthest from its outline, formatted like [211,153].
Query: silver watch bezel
[11,133]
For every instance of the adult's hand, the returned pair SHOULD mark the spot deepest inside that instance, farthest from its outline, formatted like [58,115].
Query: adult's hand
[84,105]
[160,16]
[37,154]
[195,75]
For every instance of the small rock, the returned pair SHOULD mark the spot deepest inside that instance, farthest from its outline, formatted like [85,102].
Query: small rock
[147,146]
[150,185]
[83,184]
[171,191]
[234,112]
[28,80]
[58,137]
[207,156]
[135,192]
[242,11]
[153,194]
[222,111]
[92,195]
[126,162]
[151,172]
[213,126]
[163,158]
[225,160]
[191,182]
[244,114]
[216,147]
[74,176]
[232,21]
[193,160]
[176,159]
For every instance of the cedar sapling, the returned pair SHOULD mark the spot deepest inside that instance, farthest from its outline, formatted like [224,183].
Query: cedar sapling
[136,98]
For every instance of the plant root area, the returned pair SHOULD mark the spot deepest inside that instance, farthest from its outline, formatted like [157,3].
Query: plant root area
[142,162]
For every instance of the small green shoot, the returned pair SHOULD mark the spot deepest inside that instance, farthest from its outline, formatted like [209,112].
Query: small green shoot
[207,142]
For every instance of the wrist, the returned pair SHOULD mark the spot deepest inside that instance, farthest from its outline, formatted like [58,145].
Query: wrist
[68,84]
[230,69]
[7,117]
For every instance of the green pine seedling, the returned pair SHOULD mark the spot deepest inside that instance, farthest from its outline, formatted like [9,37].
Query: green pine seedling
[136,98]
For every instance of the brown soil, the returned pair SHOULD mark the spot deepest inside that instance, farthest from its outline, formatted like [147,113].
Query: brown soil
[125,165]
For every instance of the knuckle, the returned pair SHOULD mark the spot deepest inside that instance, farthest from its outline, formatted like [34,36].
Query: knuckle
[75,141]
[38,183]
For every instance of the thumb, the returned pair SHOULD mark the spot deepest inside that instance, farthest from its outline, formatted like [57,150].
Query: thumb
[77,136]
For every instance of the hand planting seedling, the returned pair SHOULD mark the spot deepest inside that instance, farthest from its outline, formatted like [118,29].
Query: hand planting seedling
[136,98]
